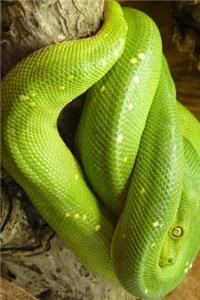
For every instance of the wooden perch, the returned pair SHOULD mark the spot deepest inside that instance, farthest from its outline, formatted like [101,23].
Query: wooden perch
[10,291]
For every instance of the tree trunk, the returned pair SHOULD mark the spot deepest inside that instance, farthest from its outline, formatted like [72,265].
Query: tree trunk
[33,256]
[10,291]
[33,24]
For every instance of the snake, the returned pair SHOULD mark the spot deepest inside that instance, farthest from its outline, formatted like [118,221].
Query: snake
[126,198]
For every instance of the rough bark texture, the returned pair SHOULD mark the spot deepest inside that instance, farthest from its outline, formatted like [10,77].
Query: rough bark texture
[32,254]
[10,291]
[33,24]
[186,33]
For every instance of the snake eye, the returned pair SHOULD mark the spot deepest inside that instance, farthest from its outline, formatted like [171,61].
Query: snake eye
[177,232]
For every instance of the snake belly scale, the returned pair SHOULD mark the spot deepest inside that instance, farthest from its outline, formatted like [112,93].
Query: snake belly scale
[128,205]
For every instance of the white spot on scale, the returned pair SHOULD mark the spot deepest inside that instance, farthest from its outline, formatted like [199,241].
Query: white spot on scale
[116,53]
[125,158]
[32,104]
[67,214]
[133,60]
[120,138]
[23,97]
[152,245]
[186,270]
[190,266]
[97,227]
[136,79]
[84,217]
[142,191]
[103,88]
[76,177]
[146,291]
[121,40]
[103,61]
[141,56]
[70,77]
[130,106]
[155,224]
[76,216]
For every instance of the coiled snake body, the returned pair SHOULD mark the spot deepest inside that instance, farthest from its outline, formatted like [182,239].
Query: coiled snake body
[139,153]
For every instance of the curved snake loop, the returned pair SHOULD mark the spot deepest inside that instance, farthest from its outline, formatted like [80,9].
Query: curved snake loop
[137,150]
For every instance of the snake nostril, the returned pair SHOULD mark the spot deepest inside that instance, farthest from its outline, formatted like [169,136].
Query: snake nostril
[164,262]
[177,232]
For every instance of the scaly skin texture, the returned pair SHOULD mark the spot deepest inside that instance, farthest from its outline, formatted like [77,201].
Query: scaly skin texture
[131,211]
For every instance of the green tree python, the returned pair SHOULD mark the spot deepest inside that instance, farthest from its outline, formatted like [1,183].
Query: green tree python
[127,201]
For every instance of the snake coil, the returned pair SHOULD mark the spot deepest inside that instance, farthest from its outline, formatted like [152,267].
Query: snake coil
[138,151]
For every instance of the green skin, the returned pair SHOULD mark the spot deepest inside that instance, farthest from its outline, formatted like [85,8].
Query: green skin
[138,148]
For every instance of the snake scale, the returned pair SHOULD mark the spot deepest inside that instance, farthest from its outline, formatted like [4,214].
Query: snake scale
[127,201]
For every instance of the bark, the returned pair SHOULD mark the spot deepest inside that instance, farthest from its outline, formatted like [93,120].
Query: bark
[10,291]
[33,24]
[186,32]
